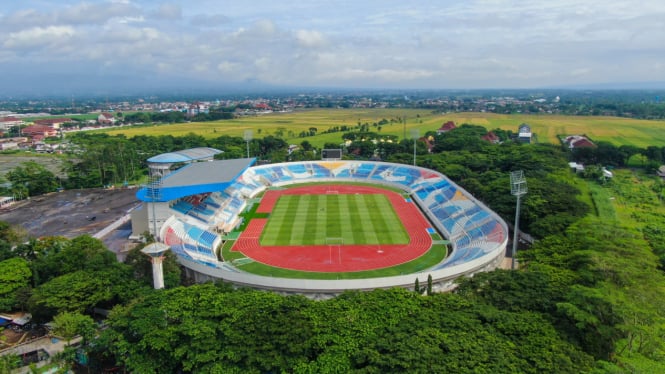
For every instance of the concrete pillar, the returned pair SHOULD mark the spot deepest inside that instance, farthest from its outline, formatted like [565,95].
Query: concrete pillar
[157,272]
[156,252]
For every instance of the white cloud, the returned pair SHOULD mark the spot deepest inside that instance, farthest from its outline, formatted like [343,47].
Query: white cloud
[477,43]
[38,36]
[310,38]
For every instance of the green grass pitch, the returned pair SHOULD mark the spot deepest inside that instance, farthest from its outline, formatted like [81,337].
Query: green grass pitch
[323,219]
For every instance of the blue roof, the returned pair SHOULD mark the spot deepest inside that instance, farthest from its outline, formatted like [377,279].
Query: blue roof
[198,177]
[186,155]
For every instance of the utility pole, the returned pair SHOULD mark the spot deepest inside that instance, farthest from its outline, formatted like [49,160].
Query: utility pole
[414,134]
[248,137]
[517,188]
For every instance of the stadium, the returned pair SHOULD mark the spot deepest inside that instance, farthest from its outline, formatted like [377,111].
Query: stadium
[319,227]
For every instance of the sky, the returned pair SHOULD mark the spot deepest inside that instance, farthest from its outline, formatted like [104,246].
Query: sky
[71,45]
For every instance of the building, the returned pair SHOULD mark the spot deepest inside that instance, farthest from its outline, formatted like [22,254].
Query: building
[578,141]
[197,108]
[39,130]
[54,123]
[7,122]
[106,119]
[524,134]
[450,125]
[190,209]
[8,145]
[491,137]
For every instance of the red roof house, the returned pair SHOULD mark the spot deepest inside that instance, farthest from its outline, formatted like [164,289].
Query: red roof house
[45,131]
[578,141]
[52,122]
[446,127]
[491,137]
[106,118]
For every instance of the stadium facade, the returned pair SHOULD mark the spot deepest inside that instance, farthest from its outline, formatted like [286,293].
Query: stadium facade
[191,208]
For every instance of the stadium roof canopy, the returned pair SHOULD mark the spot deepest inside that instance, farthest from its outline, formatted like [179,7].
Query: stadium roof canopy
[186,155]
[198,177]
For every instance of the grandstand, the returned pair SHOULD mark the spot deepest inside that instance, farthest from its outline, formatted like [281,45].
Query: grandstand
[202,201]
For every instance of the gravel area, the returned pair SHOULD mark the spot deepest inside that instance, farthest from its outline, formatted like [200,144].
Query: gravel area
[75,212]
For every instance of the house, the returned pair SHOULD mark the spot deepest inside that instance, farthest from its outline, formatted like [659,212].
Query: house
[37,130]
[8,122]
[106,118]
[578,141]
[197,108]
[41,147]
[450,125]
[52,122]
[429,142]
[5,146]
[491,137]
[524,133]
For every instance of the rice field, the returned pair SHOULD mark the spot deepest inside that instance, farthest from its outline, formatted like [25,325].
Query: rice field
[619,131]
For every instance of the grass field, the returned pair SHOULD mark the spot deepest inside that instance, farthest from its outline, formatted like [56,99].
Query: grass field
[342,218]
[619,131]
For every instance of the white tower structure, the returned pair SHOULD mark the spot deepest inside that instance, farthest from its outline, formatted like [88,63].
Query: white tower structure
[156,252]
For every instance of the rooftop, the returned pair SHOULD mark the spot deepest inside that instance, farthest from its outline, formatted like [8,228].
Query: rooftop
[199,177]
[186,155]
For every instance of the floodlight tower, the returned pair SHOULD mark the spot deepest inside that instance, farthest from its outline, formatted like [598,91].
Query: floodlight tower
[415,134]
[156,252]
[248,137]
[517,188]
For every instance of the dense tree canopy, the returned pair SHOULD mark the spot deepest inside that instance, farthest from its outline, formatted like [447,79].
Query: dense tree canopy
[379,331]
[14,275]
[31,178]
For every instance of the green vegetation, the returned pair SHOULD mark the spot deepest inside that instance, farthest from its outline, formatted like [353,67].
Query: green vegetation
[208,328]
[313,219]
[289,126]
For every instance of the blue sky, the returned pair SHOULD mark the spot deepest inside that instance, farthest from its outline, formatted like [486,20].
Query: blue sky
[364,44]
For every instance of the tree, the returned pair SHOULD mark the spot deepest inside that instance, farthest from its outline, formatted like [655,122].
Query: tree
[34,177]
[9,362]
[305,145]
[429,285]
[54,256]
[83,290]
[72,292]
[9,238]
[70,324]
[15,274]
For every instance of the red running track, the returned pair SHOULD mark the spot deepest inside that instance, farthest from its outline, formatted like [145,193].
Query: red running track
[337,258]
